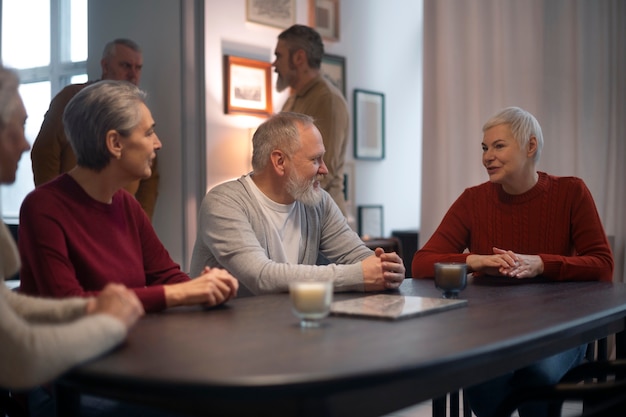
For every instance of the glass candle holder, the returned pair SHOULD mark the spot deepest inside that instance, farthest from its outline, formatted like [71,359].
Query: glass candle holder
[311,301]
[450,278]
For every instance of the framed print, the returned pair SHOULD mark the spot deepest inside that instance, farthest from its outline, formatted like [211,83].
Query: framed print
[324,17]
[348,182]
[334,70]
[369,124]
[277,13]
[370,220]
[247,86]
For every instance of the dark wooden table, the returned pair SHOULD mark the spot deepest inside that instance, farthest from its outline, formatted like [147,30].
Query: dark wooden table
[251,358]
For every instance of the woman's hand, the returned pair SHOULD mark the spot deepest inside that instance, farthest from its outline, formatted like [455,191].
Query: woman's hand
[119,302]
[214,287]
[506,263]
[526,266]
[491,264]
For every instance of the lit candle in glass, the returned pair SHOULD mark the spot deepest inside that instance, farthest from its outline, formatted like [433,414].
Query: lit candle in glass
[311,301]
[450,278]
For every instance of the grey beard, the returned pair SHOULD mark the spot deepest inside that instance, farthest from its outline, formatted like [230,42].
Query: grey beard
[303,192]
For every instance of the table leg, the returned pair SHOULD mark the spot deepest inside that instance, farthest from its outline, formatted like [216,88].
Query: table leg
[439,407]
[67,401]
[454,404]
[620,345]
[603,349]
[467,409]
[620,350]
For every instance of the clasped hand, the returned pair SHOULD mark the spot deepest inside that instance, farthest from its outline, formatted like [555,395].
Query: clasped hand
[118,301]
[507,263]
[382,271]
[213,287]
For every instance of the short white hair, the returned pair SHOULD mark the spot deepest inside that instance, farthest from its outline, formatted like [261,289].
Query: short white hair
[523,126]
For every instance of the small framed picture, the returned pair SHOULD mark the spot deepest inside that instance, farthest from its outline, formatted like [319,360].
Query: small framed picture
[348,182]
[334,69]
[247,86]
[277,13]
[369,124]
[370,220]
[324,17]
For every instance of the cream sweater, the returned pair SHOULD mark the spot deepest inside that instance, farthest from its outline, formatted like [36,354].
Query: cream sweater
[40,338]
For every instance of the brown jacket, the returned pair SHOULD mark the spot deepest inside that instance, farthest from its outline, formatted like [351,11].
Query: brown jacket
[325,103]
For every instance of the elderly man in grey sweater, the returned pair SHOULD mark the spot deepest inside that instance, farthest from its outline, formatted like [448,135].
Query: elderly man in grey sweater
[269,227]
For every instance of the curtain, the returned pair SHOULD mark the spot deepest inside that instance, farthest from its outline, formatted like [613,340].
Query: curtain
[562,60]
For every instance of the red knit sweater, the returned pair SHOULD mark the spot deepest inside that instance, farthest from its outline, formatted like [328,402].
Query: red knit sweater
[556,219]
[73,245]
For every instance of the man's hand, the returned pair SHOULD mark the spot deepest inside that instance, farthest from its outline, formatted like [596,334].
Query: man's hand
[382,271]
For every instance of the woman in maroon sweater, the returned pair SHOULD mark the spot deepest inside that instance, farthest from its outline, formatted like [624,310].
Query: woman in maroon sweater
[521,224]
[82,230]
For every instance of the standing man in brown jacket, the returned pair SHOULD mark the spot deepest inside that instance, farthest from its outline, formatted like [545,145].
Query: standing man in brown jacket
[299,53]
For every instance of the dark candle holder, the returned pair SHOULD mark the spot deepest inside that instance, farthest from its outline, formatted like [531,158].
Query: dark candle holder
[450,278]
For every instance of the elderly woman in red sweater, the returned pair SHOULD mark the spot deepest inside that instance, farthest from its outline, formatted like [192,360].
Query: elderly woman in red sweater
[521,224]
[82,230]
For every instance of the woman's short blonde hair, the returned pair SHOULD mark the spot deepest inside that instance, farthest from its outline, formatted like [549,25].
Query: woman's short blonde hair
[523,126]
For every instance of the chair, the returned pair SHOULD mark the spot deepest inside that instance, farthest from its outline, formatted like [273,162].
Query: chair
[439,405]
[408,243]
[389,244]
[596,351]
[603,398]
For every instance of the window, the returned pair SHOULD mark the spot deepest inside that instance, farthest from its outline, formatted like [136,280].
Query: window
[48,49]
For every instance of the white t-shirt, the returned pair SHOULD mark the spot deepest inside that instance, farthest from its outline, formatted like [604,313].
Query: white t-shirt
[285,239]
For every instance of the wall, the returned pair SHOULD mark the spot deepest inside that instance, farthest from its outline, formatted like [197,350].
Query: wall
[156,26]
[383,53]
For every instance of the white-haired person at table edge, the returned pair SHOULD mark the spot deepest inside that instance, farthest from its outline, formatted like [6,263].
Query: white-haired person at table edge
[40,339]
[269,227]
[522,224]
[83,230]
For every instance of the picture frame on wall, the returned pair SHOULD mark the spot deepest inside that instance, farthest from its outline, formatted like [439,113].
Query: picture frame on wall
[370,221]
[324,17]
[349,191]
[369,124]
[247,86]
[348,182]
[334,70]
[277,13]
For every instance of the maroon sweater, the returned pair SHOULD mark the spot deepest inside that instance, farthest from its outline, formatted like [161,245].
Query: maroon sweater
[73,245]
[556,219]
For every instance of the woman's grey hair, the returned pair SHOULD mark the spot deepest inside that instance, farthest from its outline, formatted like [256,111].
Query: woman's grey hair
[9,84]
[523,126]
[306,38]
[109,48]
[278,132]
[93,112]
